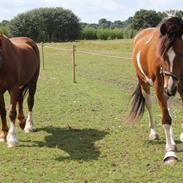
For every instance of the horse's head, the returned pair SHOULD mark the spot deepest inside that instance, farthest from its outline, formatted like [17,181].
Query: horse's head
[171,50]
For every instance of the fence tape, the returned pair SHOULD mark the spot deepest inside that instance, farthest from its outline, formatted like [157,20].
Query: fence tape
[61,49]
[91,53]
[105,55]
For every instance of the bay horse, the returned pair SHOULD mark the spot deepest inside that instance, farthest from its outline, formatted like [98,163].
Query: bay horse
[19,71]
[158,62]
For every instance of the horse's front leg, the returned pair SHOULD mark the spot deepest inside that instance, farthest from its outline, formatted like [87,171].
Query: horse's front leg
[4,132]
[12,138]
[165,105]
[180,90]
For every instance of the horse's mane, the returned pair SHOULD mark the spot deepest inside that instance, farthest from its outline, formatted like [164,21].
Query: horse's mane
[170,30]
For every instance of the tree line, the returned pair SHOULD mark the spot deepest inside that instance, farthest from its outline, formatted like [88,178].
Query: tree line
[58,24]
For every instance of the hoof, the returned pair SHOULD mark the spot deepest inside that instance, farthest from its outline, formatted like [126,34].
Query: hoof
[29,130]
[170,161]
[12,144]
[170,158]
[154,137]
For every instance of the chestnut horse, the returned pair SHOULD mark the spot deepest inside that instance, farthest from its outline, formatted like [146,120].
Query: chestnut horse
[19,71]
[158,61]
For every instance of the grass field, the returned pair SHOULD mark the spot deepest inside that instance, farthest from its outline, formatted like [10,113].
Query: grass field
[81,132]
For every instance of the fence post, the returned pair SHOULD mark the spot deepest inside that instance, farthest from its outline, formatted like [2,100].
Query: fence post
[73,64]
[42,53]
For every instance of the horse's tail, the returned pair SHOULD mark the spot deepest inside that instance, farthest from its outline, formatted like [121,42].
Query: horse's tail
[137,105]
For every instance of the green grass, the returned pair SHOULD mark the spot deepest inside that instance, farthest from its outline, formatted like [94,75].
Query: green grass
[82,136]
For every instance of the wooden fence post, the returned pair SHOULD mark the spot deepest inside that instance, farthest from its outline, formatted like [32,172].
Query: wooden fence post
[73,64]
[42,53]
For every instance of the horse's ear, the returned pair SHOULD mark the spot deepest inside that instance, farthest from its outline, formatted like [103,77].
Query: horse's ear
[163,29]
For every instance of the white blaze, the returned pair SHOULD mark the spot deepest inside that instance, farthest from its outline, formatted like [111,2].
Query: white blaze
[171,56]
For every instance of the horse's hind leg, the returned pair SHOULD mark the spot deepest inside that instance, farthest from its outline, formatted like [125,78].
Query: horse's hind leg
[29,127]
[4,132]
[148,101]
[21,116]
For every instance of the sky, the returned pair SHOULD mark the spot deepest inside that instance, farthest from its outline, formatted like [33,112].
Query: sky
[89,11]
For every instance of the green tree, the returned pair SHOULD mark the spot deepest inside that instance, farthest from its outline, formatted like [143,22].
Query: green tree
[89,33]
[4,27]
[145,18]
[117,24]
[175,13]
[103,23]
[46,24]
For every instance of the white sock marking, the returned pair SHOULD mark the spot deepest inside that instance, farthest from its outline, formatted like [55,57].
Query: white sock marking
[169,105]
[11,137]
[29,123]
[153,132]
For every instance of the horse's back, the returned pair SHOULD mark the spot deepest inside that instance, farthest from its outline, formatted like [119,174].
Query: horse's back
[23,41]
[145,55]
[16,40]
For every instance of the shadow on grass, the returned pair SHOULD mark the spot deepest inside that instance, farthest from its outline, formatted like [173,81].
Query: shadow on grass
[78,143]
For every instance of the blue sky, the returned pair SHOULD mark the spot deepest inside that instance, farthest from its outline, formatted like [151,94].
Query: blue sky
[89,10]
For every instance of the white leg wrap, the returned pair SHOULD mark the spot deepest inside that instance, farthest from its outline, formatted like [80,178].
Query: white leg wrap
[29,124]
[11,137]
[170,154]
[170,143]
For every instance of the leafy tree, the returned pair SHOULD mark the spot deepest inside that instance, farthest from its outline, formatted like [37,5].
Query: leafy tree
[103,23]
[173,12]
[4,27]
[46,24]
[89,33]
[145,18]
[117,24]
[180,14]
